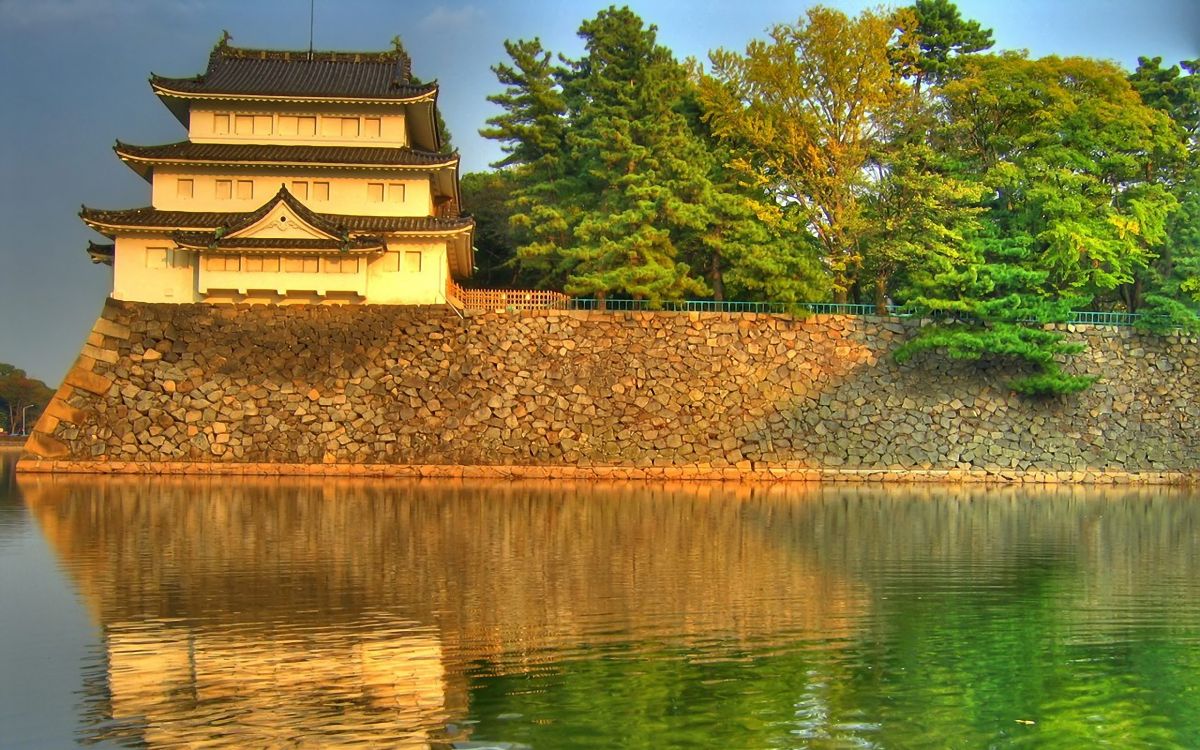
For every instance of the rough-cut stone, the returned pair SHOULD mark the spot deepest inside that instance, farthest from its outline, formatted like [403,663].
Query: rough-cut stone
[89,381]
[396,386]
[42,445]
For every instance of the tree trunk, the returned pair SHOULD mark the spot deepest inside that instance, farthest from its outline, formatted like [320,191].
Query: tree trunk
[881,300]
[600,304]
[718,281]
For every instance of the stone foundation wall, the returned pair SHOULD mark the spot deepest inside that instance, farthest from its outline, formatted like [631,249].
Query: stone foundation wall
[674,393]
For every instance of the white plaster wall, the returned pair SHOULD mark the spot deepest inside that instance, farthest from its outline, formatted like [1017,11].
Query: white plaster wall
[406,286]
[393,133]
[348,190]
[140,276]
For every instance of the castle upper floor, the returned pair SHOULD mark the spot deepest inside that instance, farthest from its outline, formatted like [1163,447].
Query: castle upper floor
[305,98]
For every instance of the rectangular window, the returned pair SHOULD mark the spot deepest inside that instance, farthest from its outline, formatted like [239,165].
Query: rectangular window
[341,265]
[300,265]
[288,125]
[184,187]
[221,124]
[244,124]
[331,125]
[254,263]
[222,262]
[375,192]
[412,262]
[300,189]
[245,189]
[349,127]
[179,258]
[390,262]
[224,189]
[395,192]
[371,127]
[306,125]
[320,191]
[262,124]
[156,257]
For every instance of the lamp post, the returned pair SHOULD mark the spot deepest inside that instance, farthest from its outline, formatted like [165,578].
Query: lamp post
[24,427]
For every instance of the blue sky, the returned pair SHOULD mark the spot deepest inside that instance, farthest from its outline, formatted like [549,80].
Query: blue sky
[75,80]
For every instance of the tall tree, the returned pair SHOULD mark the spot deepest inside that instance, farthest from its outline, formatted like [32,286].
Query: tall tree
[532,130]
[640,167]
[1068,152]
[812,104]
[943,37]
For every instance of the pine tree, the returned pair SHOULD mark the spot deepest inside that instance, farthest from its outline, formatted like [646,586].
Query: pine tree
[993,310]
[532,130]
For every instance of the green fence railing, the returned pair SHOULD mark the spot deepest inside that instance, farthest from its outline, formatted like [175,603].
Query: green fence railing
[1082,317]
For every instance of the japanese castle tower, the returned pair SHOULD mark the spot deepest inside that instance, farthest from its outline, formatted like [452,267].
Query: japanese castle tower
[305,178]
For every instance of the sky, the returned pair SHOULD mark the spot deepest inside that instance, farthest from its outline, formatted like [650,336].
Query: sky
[75,80]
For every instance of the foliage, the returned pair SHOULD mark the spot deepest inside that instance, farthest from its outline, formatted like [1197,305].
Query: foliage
[992,310]
[872,157]
[943,38]
[485,196]
[18,391]
[811,104]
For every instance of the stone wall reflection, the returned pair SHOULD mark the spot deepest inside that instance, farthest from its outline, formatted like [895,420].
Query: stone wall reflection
[343,612]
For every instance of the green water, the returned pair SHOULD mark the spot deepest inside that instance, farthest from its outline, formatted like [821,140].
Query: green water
[282,613]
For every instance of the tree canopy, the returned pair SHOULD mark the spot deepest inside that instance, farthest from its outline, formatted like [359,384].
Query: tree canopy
[889,156]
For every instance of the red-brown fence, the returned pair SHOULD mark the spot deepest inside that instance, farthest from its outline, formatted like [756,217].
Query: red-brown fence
[503,300]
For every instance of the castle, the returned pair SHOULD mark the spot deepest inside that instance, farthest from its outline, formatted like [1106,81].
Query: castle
[306,177]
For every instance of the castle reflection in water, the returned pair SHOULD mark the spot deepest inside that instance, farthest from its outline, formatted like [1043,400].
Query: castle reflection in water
[286,613]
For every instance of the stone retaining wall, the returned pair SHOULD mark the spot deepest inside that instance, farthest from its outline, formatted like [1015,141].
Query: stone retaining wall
[703,394]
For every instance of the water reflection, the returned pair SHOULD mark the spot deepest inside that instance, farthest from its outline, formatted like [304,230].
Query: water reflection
[291,613]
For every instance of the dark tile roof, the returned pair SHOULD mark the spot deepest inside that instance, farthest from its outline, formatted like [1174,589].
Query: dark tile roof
[235,153]
[149,217]
[345,75]
[101,253]
[208,240]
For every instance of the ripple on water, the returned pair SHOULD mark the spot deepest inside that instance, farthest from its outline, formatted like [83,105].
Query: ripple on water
[436,615]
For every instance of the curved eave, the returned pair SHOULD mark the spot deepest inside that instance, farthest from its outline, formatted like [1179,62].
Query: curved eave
[355,251]
[144,166]
[178,100]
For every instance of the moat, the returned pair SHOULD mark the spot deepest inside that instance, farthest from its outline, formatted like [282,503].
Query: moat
[231,612]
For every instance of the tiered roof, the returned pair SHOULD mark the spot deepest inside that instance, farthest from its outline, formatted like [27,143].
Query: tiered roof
[266,75]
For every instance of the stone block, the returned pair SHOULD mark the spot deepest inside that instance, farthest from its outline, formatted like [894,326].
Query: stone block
[86,380]
[106,327]
[44,446]
[64,412]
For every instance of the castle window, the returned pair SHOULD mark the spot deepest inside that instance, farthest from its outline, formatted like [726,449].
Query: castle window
[156,257]
[341,265]
[224,189]
[412,262]
[306,125]
[390,262]
[262,263]
[288,125]
[375,192]
[262,124]
[395,192]
[221,124]
[320,191]
[184,187]
[349,127]
[244,124]
[371,127]
[179,258]
[300,265]
[331,126]
[245,189]
[300,189]
[222,262]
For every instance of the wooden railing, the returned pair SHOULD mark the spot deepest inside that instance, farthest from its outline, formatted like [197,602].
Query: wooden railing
[503,300]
